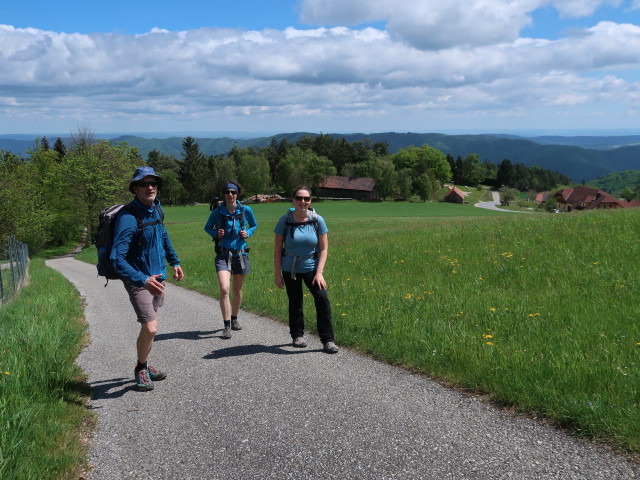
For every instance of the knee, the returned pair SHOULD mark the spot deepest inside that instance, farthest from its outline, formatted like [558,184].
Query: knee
[224,291]
[150,330]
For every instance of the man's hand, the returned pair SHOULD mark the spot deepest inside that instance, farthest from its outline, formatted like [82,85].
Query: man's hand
[178,273]
[154,286]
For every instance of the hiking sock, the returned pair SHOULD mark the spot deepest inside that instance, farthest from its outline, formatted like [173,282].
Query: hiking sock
[227,324]
[141,366]
[233,317]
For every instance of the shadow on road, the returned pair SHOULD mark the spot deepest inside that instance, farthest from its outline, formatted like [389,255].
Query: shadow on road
[102,390]
[241,350]
[190,335]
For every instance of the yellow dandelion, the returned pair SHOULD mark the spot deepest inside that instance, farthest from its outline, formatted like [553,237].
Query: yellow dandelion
[408,295]
[480,278]
[596,263]
[9,373]
[490,344]
[493,309]
[487,336]
[344,314]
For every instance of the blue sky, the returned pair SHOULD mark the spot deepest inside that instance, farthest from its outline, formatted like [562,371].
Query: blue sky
[320,66]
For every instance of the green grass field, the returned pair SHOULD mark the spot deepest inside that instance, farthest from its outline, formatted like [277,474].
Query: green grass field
[538,312]
[42,409]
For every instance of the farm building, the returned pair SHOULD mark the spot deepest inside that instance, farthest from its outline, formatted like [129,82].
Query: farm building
[542,197]
[358,188]
[586,198]
[454,195]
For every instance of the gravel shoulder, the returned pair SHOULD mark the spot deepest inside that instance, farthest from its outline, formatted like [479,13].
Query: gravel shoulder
[253,407]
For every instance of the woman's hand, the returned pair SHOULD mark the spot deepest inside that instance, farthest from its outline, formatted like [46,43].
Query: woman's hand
[319,281]
[221,233]
[278,280]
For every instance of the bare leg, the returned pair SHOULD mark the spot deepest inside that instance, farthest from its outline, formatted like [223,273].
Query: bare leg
[238,281]
[224,279]
[145,339]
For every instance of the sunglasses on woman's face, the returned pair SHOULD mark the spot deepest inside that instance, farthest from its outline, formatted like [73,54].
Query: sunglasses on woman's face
[230,192]
[300,198]
[147,184]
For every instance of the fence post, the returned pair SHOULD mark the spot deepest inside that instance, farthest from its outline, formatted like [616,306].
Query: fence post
[18,256]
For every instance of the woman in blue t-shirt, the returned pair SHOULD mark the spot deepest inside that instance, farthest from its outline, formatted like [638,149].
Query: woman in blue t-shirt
[231,223]
[300,254]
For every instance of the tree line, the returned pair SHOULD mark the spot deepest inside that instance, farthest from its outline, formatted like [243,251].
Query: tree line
[48,195]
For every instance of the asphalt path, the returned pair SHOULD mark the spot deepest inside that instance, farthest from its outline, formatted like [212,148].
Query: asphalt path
[253,407]
[493,205]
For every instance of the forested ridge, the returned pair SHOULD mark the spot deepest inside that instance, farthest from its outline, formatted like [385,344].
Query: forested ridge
[47,196]
[582,158]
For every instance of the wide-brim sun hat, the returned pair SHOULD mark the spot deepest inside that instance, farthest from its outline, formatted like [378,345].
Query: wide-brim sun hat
[142,172]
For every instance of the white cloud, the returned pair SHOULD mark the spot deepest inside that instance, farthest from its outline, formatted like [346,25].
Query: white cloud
[435,24]
[322,75]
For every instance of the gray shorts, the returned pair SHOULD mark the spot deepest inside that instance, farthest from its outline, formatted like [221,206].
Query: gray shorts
[236,266]
[144,303]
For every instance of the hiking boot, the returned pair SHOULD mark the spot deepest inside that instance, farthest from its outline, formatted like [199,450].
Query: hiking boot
[143,382]
[299,342]
[235,324]
[156,375]
[226,333]
[330,347]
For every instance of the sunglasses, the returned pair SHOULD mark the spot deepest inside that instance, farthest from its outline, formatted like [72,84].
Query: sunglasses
[147,184]
[300,198]
[230,192]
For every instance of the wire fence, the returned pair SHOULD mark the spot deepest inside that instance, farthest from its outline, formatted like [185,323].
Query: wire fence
[14,264]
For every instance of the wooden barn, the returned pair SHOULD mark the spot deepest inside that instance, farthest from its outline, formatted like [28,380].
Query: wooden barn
[357,188]
[454,195]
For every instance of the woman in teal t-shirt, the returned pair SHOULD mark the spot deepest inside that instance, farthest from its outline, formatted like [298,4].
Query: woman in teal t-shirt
[299,255]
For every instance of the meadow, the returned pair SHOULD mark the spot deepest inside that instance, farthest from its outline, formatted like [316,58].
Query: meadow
[42,390]
[537,312]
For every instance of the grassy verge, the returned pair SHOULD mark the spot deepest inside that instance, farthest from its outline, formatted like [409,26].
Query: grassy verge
[537,311]
[41,390]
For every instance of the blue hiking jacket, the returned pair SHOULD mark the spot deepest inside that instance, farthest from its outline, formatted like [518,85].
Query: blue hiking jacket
[231,226]
[136,260]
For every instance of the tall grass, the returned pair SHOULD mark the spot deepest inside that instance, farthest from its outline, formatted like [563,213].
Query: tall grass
[537,311]
[41,389]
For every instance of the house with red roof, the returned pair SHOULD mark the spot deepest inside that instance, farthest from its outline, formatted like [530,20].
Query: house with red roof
[542,197]
[454,195]
[586,198]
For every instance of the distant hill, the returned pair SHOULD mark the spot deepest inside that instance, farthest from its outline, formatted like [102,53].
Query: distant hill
[567,155]
[594,142]
[615,182]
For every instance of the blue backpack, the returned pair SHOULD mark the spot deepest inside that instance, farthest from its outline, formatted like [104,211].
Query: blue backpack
[103,239]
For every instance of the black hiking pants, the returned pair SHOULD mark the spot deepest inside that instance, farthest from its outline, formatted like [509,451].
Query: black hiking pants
[296,313]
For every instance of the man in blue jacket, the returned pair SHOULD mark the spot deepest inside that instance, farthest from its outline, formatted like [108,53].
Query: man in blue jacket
[140,258]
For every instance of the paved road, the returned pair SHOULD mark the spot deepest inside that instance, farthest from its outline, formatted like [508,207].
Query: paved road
[493,205]
[255,408]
